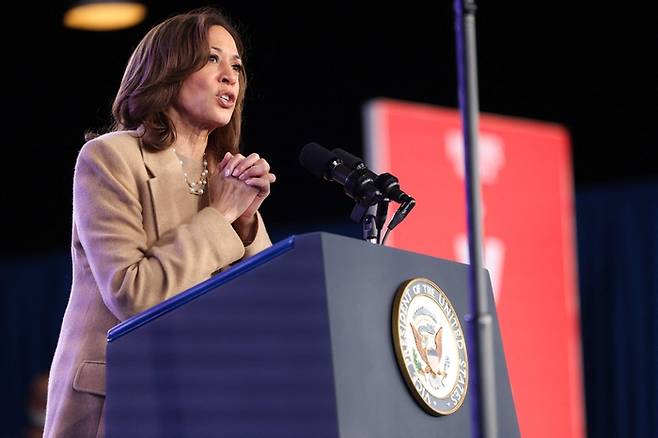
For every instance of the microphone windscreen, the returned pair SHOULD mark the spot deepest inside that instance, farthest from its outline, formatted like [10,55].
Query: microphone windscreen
[348,159]
[316,159]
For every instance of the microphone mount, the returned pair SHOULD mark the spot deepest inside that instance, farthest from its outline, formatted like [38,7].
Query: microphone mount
[389,185]
[361,184]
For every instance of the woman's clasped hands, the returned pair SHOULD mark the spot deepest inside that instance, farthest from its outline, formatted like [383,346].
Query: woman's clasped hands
[239,185]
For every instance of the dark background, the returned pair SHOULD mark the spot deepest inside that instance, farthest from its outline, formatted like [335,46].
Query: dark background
[311,67]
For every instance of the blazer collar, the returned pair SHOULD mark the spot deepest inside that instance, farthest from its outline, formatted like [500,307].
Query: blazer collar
[158,162]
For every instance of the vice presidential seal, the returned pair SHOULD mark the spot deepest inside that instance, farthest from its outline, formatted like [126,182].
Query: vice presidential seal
[430,346]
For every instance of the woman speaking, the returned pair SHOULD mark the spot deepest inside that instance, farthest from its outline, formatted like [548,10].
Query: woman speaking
[160,203]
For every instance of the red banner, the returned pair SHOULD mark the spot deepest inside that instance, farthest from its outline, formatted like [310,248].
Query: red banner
[528,242]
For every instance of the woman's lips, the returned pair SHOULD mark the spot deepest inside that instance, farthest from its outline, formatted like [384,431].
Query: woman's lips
[226,100]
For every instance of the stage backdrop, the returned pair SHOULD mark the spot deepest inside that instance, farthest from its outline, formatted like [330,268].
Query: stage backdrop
[529,243]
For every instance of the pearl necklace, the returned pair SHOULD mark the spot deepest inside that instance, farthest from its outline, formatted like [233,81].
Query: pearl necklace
[195,187]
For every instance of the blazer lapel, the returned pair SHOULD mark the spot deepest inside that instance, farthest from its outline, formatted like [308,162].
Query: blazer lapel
[169,194]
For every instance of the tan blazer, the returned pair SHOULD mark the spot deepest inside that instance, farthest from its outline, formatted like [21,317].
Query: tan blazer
[139,237]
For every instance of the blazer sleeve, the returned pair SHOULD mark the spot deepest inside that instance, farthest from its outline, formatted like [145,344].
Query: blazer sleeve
[131,274]
[261,240]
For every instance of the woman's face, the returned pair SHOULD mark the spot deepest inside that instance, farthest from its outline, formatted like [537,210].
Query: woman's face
[207,97]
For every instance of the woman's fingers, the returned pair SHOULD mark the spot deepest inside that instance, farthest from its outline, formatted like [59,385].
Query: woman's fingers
[253,171]
[230,196]
[232,163]
[237,167]
[225,160]
[258,169]
[262,184]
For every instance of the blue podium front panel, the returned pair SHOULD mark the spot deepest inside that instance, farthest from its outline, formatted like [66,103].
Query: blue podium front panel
[246,358]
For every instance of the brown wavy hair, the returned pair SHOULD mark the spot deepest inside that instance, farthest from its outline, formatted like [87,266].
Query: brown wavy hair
[164,58]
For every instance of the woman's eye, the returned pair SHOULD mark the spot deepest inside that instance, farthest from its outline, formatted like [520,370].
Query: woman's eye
[213,58]
[238,68]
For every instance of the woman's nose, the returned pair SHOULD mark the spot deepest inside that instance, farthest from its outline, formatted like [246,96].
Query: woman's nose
[229,75]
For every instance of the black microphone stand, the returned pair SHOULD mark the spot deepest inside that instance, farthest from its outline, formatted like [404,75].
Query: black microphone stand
[481,353]
[362,213]
[370,217]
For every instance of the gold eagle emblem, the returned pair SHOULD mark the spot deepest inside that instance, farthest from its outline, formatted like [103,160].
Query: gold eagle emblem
[430,354]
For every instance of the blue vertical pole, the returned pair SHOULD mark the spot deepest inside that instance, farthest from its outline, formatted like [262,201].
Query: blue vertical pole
[480,320]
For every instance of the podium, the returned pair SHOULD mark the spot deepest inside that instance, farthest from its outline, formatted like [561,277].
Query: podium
[296,341]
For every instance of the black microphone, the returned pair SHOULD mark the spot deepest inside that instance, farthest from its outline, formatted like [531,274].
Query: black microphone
[390,187]
[357,182]
[387,183]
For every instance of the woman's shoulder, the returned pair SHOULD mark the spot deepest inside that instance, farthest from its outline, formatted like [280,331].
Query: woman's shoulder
[121,141]
[122,145]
